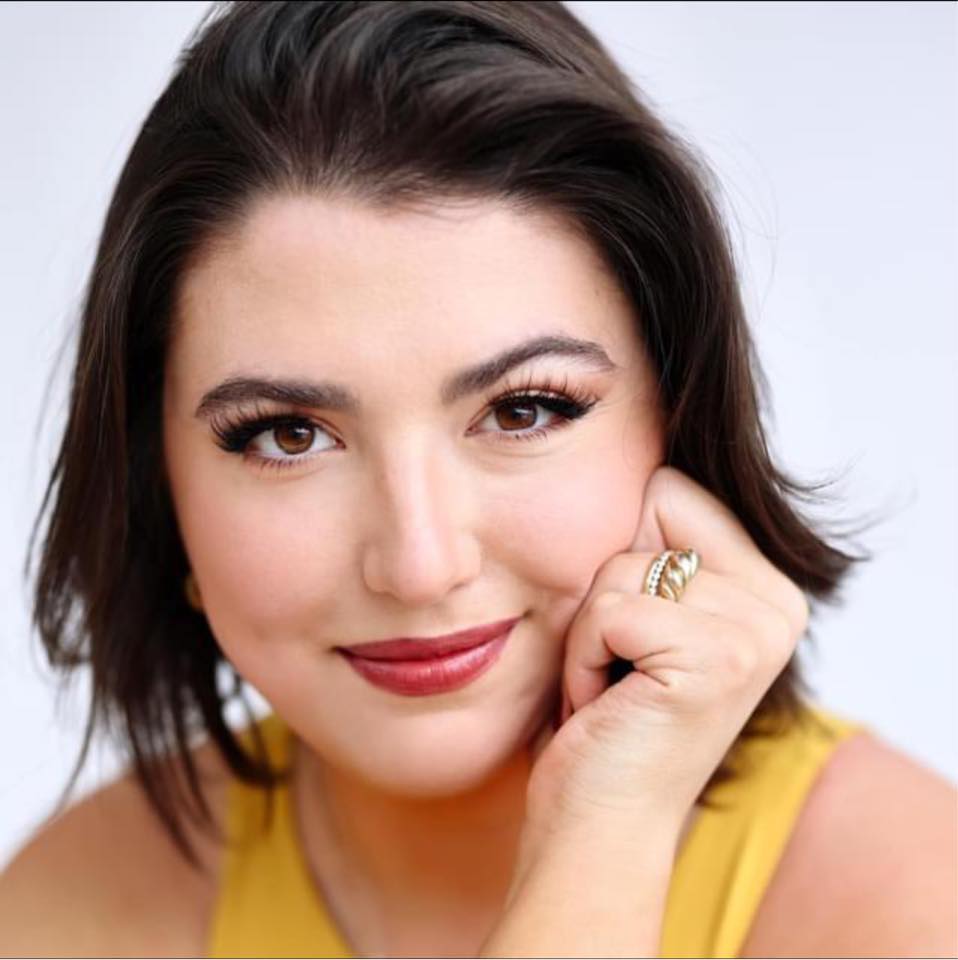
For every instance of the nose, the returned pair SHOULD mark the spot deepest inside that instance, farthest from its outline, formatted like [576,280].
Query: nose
[420,545]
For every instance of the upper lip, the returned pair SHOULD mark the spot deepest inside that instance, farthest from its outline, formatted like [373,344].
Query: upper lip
[426,648]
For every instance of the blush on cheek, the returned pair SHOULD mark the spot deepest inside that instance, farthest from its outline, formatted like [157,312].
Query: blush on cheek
[267,565]
[562,534]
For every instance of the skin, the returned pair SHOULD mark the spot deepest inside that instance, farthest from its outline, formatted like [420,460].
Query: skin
[410,518]
[442,824]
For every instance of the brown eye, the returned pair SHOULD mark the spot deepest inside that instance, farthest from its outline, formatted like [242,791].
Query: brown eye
[526,418]
[293,438]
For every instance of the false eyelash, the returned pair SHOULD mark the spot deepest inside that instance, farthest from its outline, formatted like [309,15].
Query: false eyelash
[570,403]
[235,432]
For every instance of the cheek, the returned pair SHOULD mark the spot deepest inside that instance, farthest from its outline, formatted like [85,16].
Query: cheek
[567,529]
[577,524]
[275,560]
[269,561]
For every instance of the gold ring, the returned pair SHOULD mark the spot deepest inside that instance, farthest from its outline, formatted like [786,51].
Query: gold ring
[670,573]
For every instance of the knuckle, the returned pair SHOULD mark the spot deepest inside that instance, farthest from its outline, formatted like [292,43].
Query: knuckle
[772,636]
[605,600]
[739,658]
[777,628]
[780,639]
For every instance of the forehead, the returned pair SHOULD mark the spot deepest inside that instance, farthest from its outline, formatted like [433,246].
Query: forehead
[332,284]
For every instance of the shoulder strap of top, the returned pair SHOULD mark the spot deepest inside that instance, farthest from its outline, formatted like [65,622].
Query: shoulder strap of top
[267,905]
[730,854]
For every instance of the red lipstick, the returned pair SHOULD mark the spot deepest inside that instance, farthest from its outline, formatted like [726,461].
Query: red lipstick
[417,666]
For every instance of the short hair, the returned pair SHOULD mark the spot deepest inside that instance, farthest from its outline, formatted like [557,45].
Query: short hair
[390,104]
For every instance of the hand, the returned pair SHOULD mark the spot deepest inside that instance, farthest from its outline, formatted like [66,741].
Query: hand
[641,750]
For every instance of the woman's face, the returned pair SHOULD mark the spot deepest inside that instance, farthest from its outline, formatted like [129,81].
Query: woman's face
[412,514]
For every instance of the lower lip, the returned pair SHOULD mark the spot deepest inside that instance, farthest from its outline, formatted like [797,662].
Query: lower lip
[419,678]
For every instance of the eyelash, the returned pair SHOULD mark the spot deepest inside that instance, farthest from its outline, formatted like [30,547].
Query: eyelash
[234,433]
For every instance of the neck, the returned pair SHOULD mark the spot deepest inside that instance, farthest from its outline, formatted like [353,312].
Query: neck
[382,859]
[407,849]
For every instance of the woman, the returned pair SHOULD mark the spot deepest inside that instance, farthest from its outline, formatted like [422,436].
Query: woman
[410,320]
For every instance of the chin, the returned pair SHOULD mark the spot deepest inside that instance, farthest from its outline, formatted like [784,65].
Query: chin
[432,757]
[426,780]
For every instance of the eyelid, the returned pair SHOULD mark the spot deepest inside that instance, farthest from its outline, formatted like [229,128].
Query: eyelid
[236,430]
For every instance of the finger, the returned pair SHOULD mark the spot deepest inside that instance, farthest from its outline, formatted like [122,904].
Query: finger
[648,631]
[678,513]
[663,638]
[706,591]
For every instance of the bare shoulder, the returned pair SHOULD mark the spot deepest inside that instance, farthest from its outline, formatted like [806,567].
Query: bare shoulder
[871,868]
[104,878]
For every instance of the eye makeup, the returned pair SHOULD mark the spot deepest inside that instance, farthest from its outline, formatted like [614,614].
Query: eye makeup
[236,431]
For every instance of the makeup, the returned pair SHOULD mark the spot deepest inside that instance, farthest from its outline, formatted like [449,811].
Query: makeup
[398,672]
[241,431]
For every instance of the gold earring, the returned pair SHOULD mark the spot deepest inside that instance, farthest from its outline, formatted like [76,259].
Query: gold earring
[192,592]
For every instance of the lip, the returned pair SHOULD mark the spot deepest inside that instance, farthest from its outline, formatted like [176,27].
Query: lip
[436,674]
[428,648]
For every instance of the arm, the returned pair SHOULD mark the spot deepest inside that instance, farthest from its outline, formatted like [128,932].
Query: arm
[103,880]
[598,893]
[872,867]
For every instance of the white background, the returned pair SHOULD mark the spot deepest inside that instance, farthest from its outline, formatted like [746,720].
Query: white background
[832,127]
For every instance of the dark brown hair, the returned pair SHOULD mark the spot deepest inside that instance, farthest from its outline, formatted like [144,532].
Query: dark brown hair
[390,104]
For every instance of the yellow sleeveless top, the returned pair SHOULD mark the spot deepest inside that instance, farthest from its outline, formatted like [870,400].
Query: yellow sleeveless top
[269,906]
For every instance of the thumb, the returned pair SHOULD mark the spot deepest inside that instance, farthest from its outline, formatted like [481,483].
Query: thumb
[554,720]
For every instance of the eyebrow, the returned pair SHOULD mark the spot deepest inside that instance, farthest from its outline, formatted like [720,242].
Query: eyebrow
[326,395]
